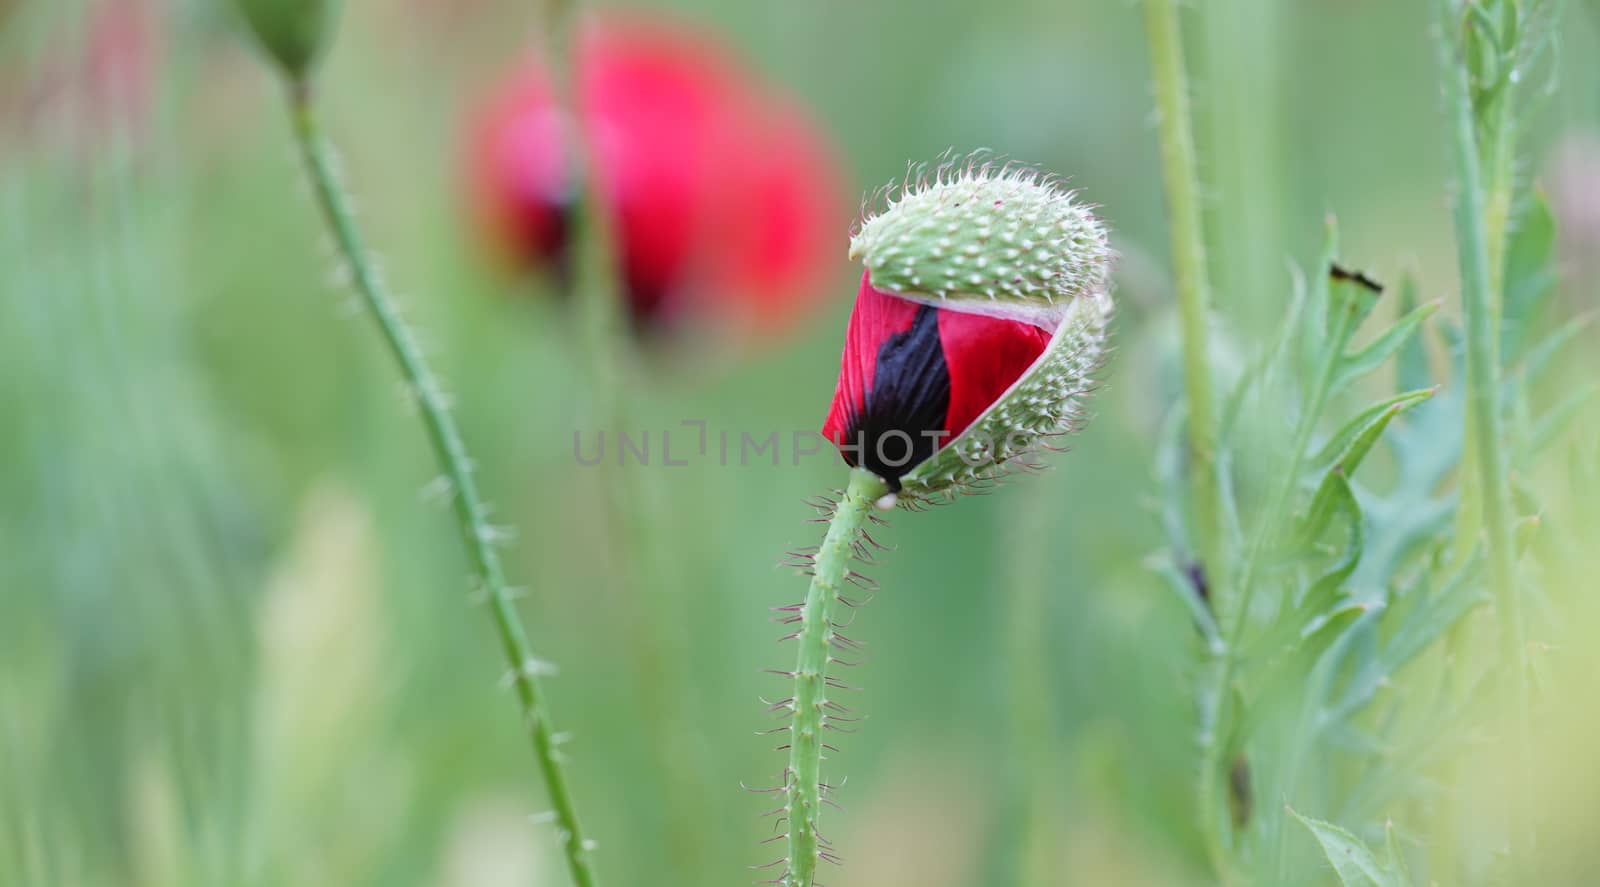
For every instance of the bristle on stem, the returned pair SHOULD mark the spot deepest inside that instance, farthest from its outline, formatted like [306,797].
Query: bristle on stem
[809,709]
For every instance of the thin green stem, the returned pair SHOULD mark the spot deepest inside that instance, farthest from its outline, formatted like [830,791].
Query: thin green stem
[467,504]
[1165,38]
[809,707]
[1475,253]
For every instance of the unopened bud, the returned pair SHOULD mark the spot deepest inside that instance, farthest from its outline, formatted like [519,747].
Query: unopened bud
[294,33]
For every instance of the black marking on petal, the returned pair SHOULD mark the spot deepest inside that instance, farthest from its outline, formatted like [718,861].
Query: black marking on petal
[903,420]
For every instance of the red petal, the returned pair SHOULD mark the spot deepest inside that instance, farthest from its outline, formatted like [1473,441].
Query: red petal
[900,374]
[985,355]
[874,320]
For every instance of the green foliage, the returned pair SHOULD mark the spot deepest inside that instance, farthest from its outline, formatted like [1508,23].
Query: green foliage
[1356,865]
[1344,581]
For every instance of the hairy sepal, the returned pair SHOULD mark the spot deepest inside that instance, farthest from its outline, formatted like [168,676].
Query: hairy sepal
[1046,402]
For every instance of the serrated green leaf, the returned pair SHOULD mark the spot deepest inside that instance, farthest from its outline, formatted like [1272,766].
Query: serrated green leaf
[1355,865]
[1303,619]
[1424,619]
[1348,446]
[1372,355]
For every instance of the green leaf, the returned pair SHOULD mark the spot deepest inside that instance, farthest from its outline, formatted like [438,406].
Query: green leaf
[1424,618]
[1320,607]
[1355,865]
[1374,353]
[1348,446]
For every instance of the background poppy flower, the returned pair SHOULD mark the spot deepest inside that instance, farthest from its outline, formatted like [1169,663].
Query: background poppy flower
[722,198]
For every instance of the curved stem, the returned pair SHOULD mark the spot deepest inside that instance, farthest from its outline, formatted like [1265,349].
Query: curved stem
[817,637]
[1476,256]
[451,453]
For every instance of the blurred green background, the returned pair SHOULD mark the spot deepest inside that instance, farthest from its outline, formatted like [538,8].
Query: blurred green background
[236,641]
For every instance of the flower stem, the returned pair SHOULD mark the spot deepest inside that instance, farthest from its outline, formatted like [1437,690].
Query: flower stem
[817,637]
[1165,40]
[1189,269]
[1477,258]
[451,453]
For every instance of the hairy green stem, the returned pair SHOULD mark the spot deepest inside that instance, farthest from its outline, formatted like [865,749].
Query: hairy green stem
[809,707]
[1165,38]
[451,453]
[1475,254]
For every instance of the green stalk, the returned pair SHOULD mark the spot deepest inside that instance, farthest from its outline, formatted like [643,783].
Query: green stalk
[1475,255]
[1165,39]
[451,453]
[1189,269]
[816,639]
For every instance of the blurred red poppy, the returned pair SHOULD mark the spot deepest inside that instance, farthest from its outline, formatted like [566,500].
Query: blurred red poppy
[723,200]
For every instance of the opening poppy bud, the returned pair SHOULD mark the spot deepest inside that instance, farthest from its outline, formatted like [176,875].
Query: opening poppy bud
[293,32]
[980,322]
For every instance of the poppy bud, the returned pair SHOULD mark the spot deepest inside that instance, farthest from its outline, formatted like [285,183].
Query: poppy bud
[293,32]
[980,321]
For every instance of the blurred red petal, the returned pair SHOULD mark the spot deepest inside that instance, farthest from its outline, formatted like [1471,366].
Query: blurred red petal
[723,201]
